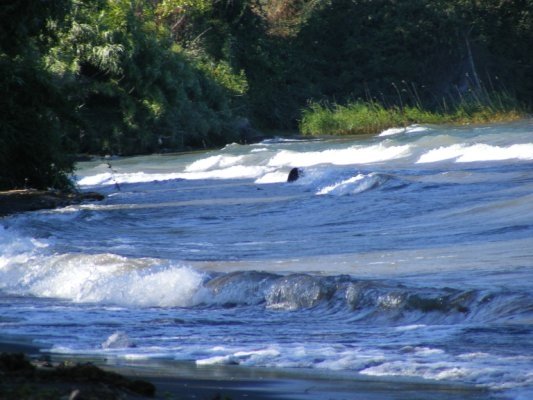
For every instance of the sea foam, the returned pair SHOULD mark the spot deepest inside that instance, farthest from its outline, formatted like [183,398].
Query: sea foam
[233,172]
[348,156]
[409,129]
[355,184]
[214,162]
[100,278]
[265,166]
[108,178]
[463,153]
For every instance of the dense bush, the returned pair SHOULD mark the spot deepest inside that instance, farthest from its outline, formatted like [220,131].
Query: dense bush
[137,91]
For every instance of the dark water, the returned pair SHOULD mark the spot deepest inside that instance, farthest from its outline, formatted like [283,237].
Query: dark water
[406,255]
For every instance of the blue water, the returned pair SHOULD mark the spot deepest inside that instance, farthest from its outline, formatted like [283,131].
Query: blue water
[407,254]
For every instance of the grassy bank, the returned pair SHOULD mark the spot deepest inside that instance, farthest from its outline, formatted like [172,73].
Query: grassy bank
[372,117]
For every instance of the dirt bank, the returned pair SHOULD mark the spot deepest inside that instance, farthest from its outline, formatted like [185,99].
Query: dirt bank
[15,201]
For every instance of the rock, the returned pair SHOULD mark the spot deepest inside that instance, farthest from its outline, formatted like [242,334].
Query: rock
[15,364]
[89,373]
[294,175]
[67,381]
[143,388]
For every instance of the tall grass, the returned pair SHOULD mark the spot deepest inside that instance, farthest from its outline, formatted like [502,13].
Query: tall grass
[369,117]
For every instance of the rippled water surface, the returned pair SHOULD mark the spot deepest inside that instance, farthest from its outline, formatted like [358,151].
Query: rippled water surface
[408,254]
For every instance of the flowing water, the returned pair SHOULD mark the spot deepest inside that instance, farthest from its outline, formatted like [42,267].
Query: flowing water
[408,254]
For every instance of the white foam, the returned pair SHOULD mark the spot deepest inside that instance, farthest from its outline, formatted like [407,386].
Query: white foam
[441,153]
[463,153]
[235,172]
[353,185]
[118,340]
[473,356]
[483,152]
[427,351]
[101,278]
[335,357]
[341,186]
[108,178]
[15,248]
[496,372]
[273,177]
[406,328]
[214,162]
[349,156]
[416,129]
[218,360]
[433,370]
[392,131]
[250,358]
[258,164]
[409,129]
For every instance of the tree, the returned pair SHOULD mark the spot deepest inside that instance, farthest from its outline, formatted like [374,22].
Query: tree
[33,145]
[137,91]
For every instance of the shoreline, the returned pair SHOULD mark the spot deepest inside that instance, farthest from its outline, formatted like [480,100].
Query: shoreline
[179,380]
[24,200]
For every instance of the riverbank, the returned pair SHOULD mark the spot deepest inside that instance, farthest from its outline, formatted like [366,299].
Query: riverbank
[15,201]
[368,118]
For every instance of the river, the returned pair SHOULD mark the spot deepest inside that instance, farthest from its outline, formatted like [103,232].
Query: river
[405,255]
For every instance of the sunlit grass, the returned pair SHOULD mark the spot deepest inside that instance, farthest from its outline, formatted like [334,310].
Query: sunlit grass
[371,117]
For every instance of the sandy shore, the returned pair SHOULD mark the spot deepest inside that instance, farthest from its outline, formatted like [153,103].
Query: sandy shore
[185,380]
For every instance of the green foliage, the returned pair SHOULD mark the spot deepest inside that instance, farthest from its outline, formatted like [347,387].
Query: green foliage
[354,118]
[167,8]
[136,92]
[371,117]
[223,74]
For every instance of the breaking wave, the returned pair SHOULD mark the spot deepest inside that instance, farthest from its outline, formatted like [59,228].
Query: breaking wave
[409,129]
[463,153]
[363,300]
[348,156]
[26,269]
[353,185]
[264,165]
[271,160]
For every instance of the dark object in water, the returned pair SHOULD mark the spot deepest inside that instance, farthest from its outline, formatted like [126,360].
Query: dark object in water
[293,175]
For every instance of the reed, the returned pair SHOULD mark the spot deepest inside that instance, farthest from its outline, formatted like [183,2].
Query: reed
[369,117]
[360,118]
